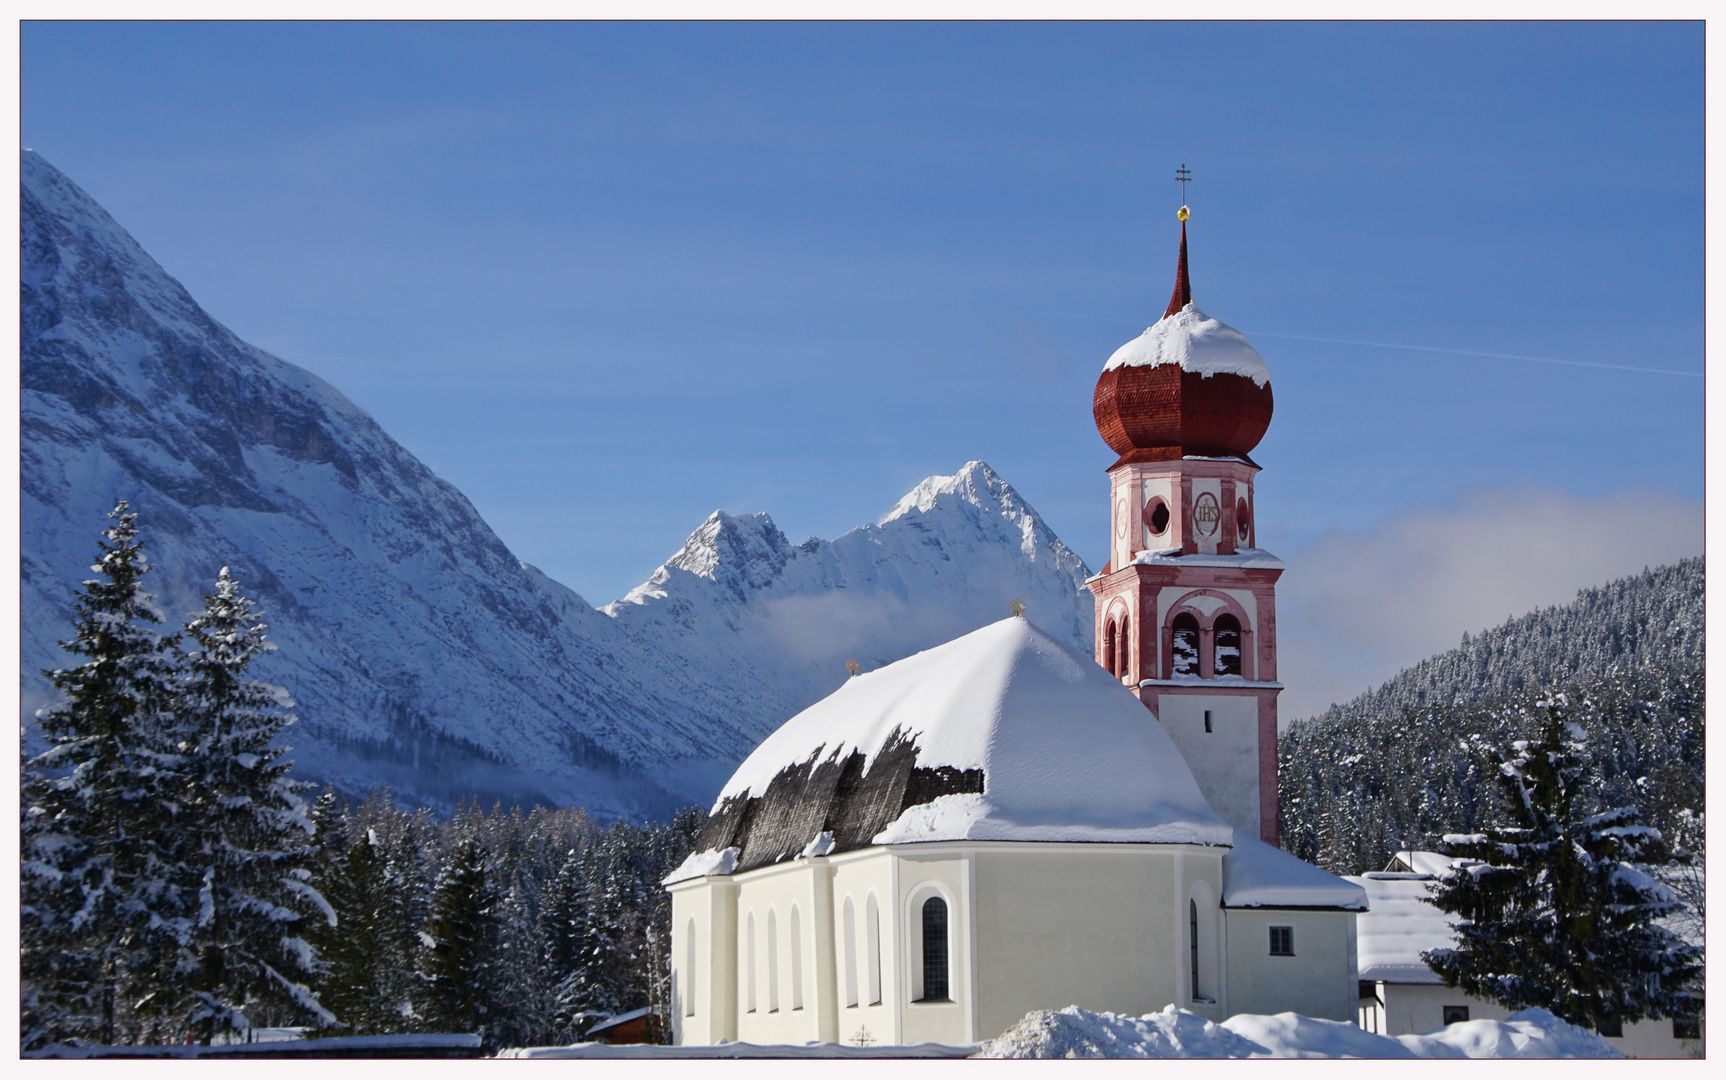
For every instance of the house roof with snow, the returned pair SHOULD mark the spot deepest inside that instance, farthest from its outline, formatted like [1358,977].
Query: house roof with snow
[1258,875]
[1002,734]
[1399,926]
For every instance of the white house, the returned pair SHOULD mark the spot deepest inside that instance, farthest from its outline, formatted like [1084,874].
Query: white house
[993,826]
[1400,995]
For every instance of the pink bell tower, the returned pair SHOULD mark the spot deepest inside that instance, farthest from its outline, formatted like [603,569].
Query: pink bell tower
[1186,606]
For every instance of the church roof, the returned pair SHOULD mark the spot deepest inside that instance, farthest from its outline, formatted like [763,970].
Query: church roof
[1258,875]
[1002,734]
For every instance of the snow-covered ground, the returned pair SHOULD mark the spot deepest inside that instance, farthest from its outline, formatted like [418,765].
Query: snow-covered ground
[1175,1033]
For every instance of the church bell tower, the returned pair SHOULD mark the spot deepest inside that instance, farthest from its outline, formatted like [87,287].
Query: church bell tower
[1186,606]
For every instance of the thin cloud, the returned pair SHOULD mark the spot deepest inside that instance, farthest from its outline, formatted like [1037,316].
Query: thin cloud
[1356,607]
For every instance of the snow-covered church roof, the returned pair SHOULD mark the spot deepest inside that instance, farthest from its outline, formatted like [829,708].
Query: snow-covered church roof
[1193,341]
[1002,734]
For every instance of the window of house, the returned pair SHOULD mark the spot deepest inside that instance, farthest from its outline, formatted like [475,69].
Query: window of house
[1455,1014]
[1184,659]
[796,958]
[1227,636]
[772,960]
[689,971]
[749,963]
[1193,918]
[1612,1029]
[872,915]
[935,950]
[1686,1027]
[850,954]
[1282,941]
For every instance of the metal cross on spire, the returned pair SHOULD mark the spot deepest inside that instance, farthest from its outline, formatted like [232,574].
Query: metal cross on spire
[1183,174]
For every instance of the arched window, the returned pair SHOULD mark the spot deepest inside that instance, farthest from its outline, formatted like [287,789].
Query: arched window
[934,950]
[796,959]
[772,960]
[872,915]
[689,971]
[1193,941]
[1109,648]
[1228,645]
[1123,667]
[749,963]
[1184,659]
[850,954]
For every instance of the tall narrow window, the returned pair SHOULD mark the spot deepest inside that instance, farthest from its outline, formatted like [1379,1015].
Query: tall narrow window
[1124,665]
[749,963]
[772,960]
[1185,656]
[850,954]
[689,971]
[872,915]
[796,959]
[1109,648]
[935,950]
[1193,938]
[1228,645]
[1207,721]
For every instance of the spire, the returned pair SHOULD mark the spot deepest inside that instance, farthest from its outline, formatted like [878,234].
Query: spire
[1183,288]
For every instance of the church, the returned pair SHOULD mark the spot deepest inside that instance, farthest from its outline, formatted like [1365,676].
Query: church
[1002,824]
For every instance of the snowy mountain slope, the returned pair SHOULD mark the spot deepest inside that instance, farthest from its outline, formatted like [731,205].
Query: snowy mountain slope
[768,625]
[421,652]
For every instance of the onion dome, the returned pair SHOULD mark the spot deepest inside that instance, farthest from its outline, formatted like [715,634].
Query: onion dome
[1188,386]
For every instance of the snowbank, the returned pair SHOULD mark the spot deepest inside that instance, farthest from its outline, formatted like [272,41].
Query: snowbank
[738,1050]
[1176,1033]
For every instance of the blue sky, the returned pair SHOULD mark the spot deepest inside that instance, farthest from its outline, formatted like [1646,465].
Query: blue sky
[607,278]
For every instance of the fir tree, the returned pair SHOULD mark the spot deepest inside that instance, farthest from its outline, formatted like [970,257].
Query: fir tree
[1553,913]
[100,915]
[248,837]
[459,943]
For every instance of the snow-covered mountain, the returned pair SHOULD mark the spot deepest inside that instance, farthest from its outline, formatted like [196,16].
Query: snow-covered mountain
[421,652]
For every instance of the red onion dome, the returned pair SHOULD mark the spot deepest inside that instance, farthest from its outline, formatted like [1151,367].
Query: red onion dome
[1188,386]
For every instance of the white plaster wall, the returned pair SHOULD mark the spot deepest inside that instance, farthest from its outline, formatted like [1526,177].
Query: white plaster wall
[708,902]
[921,873]
[1101,926]
[1318,981]
[857,874]
[777,888]
[1418,1008]
[1226,760]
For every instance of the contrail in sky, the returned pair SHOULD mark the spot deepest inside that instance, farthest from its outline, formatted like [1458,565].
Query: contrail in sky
[1337,341]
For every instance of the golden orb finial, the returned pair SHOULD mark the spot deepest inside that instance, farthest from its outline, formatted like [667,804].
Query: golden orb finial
[1183,213]
[853,667]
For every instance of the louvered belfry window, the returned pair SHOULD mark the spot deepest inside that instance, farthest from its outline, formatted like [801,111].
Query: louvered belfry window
[934,950]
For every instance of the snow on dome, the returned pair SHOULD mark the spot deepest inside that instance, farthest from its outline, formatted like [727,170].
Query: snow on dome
[1002,734]
[1258,875]
[1193,341]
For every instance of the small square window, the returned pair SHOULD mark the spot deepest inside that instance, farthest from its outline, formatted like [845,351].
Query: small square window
[1612,1029]
[1455,1014]
[1686,1027]
[1282,941]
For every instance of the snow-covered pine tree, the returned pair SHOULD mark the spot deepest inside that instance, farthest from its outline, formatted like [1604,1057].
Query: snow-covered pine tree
[1553,910]
[248,838]
[459,943]
[367,952]
[100,916]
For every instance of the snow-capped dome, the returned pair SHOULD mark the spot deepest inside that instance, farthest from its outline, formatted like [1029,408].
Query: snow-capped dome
[1189,385]
[1002,734]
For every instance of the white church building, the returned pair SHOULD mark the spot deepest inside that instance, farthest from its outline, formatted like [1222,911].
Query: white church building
[1002,824]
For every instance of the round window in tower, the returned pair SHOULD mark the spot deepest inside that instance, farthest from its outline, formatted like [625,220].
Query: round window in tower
[1243,519]
[1157,516]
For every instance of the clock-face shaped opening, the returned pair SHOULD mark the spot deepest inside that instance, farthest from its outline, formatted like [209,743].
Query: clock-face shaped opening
[1157,516]
[1243,519]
